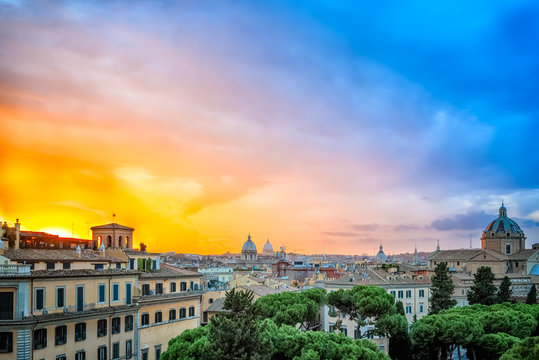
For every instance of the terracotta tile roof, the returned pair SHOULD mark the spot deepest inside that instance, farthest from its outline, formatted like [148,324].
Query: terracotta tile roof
[82,273]
[260,290]
[462,254]
[523,255]
[217,305]
[168,271]
[57,255]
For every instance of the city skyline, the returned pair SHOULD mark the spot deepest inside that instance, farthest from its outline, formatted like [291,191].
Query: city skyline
[324,127]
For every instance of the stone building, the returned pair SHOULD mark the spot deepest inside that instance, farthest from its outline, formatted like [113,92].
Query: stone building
[248,251]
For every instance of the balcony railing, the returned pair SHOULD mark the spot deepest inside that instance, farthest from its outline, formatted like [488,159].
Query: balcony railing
[14,269]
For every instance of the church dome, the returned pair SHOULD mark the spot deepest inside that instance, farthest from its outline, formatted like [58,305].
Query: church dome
[268,249]
[503,224]
[248,246]
[381,256]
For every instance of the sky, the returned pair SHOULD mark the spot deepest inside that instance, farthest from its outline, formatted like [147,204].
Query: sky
[325,126]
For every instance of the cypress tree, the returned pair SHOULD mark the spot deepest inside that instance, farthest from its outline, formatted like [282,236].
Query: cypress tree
[504,292]
[483,290]
[531,299]
[441,290]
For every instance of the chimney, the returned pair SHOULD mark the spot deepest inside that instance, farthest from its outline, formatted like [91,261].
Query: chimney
[17,234]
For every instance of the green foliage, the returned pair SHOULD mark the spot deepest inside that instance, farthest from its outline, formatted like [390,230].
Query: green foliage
[237,334]
[504,292]
[492,346]
[531,299]
[438,335]
[293,308]
[485,331]
[483,290]
[290,343]
[365,305]
[148,264]
[400,307]
[140,264]
[526,349]
[441,290]
[190,345]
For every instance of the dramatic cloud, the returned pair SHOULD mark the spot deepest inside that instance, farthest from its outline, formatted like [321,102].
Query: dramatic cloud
[310,123]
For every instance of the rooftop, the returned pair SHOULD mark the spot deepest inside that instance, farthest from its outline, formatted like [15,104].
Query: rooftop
[58,255]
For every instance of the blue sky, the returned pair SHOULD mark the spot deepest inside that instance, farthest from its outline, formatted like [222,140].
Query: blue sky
[325,125]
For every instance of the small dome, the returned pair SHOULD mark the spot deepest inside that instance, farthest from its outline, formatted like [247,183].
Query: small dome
[381,256]
[503,223]
[248,245]
[268,249]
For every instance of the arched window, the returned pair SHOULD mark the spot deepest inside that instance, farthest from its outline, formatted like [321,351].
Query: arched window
[109,241]
[120,244]
[99,239]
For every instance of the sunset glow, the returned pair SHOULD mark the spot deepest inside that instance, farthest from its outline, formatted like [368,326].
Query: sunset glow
[197,124]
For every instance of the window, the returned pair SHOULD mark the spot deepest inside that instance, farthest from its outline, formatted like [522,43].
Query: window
[60,297]
[516,264]
[191,311]
[129,323]
[80,297]
[183,286]
[172,314]
[331,327]
[159,288]
[40,298]
[50,266]
[182,313]
[145,289]
[172,286]
[101,293]
[102,353]
[421,293]
[116,350]
[408,309]
[6,342]
[357,333]
[157,351]
[210,301]
[60,335]
[40,339]
[508,249]
[344,330]
[80,331]
[158,317]
[116,325]
[66,265]
[6,305]
[115,292]
[101,328]
[128,293]
[458,263]
[61,357]
[392,292]
[421,308]
[128,349]
[118,266]
[401,294]
[99,267]
[80,355]
[145,319]
[408,293]
[144,353]
[191,285]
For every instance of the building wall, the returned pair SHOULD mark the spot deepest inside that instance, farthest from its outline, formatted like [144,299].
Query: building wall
[158,334]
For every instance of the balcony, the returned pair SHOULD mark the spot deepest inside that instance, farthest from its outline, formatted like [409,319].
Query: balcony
[14,270]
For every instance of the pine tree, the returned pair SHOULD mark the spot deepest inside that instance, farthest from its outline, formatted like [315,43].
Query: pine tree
[531,299]
[504,292]
[483,290]
[441,290]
